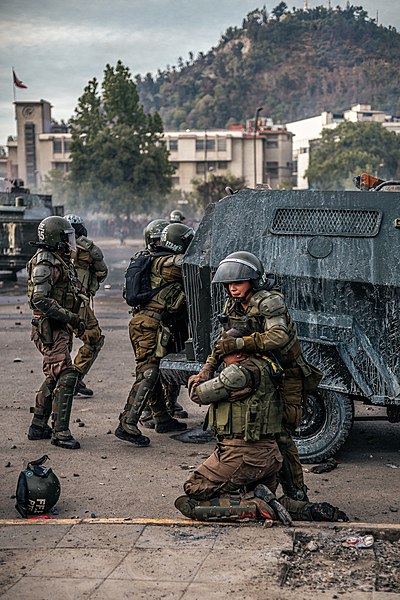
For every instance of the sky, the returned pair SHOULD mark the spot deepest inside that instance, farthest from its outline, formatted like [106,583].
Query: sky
[57,46]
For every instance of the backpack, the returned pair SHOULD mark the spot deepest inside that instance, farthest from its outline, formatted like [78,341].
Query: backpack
[138,290]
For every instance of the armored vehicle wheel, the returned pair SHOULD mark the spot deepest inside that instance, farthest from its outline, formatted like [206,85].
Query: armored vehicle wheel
[325,426]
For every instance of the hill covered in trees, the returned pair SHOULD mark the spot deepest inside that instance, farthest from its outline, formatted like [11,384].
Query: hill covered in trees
[293,63]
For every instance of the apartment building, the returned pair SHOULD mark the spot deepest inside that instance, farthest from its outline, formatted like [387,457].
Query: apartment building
[306,131]
[259,155]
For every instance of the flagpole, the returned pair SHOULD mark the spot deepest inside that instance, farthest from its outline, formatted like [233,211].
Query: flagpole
[12,69]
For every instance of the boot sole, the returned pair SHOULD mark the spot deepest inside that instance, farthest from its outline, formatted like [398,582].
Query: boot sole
[61,444]
[141,441]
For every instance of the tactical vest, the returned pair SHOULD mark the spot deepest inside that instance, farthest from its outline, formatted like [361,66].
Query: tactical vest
[171,297]
[64,291]
[253,418]
[256,322]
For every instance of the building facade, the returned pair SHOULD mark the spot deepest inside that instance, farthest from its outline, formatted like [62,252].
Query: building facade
[306,131]
[263,155]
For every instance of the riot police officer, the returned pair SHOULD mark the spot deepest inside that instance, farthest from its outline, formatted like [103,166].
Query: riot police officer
[53,293]
[254,297]
[238,481]
[91,271]
[149,331]
[176,216]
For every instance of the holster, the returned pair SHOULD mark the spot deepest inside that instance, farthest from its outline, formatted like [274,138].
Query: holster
[44,329]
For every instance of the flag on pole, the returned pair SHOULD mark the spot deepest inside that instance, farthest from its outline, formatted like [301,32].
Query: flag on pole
[17,82]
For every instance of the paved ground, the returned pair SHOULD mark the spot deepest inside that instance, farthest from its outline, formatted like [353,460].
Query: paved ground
[104,560]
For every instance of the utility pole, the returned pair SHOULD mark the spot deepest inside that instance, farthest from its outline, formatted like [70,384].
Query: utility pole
[259,109]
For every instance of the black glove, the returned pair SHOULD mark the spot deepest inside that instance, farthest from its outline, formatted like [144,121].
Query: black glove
[77,324]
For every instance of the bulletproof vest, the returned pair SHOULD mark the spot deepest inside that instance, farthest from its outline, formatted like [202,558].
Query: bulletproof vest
[255,416]
[171,296]
[82,262]
[65,290]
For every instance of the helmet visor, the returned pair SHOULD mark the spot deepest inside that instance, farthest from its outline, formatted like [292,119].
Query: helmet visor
[235,269]
[70,238]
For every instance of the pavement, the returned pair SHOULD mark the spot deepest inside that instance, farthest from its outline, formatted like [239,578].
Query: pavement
[104,559]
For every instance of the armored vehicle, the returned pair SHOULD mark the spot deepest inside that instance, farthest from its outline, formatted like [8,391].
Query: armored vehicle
[20,215]
[336,256]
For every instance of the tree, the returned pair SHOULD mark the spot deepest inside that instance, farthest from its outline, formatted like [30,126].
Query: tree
[119,159]
[350,149]
[279,10]
[213,190]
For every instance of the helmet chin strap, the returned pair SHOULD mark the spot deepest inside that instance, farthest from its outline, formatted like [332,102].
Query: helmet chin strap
[240,299]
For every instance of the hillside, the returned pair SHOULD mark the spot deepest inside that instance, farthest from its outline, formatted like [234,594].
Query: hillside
[294,64]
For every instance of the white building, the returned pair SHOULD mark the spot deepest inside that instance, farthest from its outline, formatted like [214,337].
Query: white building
[307,130]
[263,156]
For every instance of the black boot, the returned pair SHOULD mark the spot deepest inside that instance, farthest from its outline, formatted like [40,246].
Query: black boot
[39,433]
[82,390]
[166,423]
[68,443]
[138,440]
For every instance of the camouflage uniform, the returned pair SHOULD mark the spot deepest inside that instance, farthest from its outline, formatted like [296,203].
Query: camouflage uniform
[150,333]
[274,331]
[245,414]
[238,481]
[91,271]
[53,297]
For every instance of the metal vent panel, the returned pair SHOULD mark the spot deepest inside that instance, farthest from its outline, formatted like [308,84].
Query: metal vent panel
[326,221]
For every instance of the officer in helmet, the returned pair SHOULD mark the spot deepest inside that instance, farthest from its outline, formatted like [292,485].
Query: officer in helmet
[239,480]
[54,297]
[253,297]
[177,216]
[152,235]
[91,271]
[149,331]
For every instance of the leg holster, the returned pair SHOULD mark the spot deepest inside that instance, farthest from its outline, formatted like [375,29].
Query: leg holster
[62,402]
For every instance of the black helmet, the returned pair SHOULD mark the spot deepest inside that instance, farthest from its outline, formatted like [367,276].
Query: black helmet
[176,237]
[38,489]
[152,232]
[77,223]
[176,216]
[57,233]
[241,266]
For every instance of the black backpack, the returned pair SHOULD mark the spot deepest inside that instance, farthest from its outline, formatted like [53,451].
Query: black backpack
[138,289]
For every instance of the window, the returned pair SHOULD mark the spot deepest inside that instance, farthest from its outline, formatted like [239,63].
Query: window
[175,181]
[272,144]
[57,146]
[67,146]
[200,145]
[173,145]
[221,144]
[200,168]
[61,166]
[222,164]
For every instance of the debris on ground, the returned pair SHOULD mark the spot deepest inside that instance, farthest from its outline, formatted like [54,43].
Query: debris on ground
[359,541]
[343,568]
[325,467]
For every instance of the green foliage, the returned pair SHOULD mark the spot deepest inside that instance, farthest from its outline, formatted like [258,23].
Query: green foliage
[119,159]
[296,63]
[213,189]
[351,149]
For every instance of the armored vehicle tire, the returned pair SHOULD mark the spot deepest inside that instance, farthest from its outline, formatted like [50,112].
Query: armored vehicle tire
[325,426]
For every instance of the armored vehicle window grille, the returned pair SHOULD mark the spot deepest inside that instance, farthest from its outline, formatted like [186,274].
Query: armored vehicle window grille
[193,292]
[326,221]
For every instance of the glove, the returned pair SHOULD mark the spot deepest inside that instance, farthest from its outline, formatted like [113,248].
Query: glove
[205,374]
[77,324]
[228,345]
